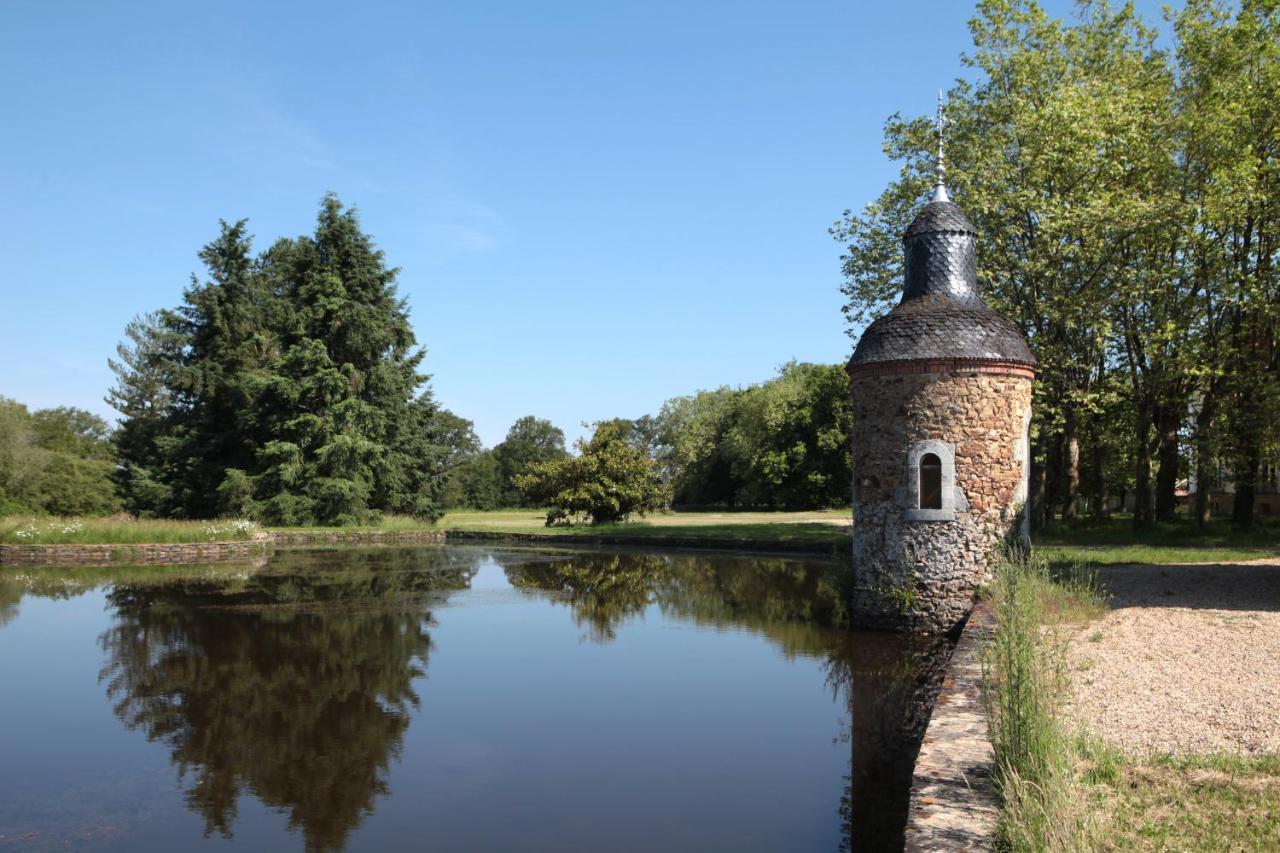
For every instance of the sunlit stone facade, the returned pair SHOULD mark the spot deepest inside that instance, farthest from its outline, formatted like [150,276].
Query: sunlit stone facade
[941,409]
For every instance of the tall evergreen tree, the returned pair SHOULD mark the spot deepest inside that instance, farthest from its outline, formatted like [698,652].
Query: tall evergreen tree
[285,387]
[143,394]
[228,345]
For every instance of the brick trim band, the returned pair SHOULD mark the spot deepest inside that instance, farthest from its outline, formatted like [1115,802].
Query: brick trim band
[943,365]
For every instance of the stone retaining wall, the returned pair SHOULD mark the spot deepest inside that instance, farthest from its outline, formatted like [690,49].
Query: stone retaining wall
[953,800]
[692,542]
[368,537]
[205,552]
[105,555]
[199,552]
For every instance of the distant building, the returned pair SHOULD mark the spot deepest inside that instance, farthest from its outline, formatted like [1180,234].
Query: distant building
[1222,491]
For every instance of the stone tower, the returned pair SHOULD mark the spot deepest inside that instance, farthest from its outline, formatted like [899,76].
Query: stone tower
[941,411]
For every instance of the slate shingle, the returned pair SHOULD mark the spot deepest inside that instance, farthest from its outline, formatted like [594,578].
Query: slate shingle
[941,314]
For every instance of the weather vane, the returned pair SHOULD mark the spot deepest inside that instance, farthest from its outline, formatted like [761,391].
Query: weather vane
[940,190]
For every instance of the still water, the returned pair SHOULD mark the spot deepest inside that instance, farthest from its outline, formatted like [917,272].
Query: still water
[442,698]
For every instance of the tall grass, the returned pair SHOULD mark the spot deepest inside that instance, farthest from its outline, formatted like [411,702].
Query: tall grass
[1043,807]
[119,530]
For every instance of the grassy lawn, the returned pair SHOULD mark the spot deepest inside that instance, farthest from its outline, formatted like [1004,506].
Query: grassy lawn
[1108,543]
[1184,803]
[1116,541]
[821,528]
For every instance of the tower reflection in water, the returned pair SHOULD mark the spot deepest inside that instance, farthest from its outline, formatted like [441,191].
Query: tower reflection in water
[296,682]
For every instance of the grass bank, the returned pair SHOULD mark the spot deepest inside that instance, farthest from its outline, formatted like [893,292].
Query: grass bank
[120,530]
[1115,541]
[1065,789]
[823,530]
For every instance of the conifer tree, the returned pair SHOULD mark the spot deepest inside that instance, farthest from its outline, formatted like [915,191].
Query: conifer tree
[286,387]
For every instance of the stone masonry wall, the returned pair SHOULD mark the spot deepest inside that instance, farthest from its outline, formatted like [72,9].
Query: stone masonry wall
[202,552]
[922,575]
[105,555]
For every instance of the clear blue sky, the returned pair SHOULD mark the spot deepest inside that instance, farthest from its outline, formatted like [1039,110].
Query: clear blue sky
[596,205]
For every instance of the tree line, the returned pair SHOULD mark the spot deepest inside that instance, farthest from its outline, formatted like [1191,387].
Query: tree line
[285,387]
[779,444]
[1127,195]
[55,461]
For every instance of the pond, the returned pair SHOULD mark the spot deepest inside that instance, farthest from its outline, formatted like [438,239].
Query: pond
[453,698]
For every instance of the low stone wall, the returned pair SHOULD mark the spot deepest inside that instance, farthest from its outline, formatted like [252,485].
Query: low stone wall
[206,552]
[105,555]
[953,800]
[816,549]
[181,553]
[367,537]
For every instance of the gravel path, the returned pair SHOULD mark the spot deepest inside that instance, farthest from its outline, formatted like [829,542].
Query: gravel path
[1187,660]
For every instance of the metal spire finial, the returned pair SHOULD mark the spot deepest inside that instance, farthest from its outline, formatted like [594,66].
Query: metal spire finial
[940,190]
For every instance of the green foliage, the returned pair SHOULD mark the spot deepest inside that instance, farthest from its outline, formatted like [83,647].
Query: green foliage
[530,441]
[783,444]
[55,461]
[1127,200]
[285,387]
[608,481]
[476,483]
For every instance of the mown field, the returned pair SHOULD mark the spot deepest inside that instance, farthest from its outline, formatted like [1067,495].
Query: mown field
[1112,542]
[819,527]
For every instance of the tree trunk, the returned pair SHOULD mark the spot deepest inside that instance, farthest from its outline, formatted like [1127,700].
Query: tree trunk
[1142,515]
[1070,466]
[1167,477]
[1052,479]
[1035,488]
[1100,509]
[1204,461]
[1245,474]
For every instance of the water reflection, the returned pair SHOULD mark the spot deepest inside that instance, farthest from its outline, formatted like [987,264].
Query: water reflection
[886,681]
[296,680]
[295,685]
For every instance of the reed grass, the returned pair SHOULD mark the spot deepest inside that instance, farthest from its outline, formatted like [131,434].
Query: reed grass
[119,530]
[1025,666]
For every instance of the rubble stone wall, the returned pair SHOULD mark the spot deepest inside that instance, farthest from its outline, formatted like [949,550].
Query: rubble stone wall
[922,574]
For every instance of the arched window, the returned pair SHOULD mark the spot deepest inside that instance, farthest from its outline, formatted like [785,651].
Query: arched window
[931,492]
[930,481]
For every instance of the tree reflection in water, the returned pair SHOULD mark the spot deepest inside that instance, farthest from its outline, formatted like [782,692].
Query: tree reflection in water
[788,600]
[886,680]
[293,680]
[294,684]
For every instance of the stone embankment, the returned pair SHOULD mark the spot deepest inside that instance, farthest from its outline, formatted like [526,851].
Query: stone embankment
[200,552]
[953,801]
[776,546]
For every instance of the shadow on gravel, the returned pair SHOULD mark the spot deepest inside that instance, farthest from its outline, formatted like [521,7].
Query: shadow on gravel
[1205,586]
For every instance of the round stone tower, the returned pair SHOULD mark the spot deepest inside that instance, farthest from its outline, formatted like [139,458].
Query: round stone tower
[941,411]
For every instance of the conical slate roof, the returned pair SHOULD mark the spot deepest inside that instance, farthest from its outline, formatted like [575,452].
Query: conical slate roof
[941,315]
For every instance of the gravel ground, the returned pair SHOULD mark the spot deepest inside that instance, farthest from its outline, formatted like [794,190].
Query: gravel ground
[1187,660]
